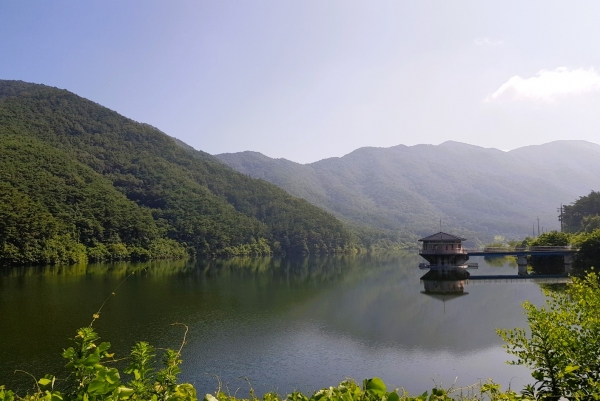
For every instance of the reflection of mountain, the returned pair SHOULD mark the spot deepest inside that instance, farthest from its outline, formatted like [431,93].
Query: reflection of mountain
[248,314]
[275,270]
[388,308]
[500,261]
[116,269]
[42,307]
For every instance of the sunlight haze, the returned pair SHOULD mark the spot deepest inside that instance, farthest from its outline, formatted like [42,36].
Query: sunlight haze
[311,80]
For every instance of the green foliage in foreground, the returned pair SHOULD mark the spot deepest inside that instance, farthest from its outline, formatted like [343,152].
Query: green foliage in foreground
[563,343]
[375,390]
[92,379]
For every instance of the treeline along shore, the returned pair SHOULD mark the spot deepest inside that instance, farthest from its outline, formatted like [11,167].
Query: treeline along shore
[80,182]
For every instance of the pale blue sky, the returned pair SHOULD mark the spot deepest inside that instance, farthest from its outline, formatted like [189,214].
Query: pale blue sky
[306,80]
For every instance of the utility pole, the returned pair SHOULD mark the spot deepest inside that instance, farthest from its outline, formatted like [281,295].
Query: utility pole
[533,230]
[560,217]
[538,219]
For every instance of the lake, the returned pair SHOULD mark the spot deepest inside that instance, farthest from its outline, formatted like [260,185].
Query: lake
[281,324]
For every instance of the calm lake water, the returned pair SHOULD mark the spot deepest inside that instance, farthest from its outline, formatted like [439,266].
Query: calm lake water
[283,324]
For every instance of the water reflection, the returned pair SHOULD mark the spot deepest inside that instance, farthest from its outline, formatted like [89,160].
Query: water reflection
[501,261]
[284,323]
[444,287]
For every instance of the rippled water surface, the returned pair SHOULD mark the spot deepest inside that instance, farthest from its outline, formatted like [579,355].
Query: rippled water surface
[283,324]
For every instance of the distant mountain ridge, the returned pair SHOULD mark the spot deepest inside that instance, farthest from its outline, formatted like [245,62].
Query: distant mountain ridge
[476,192]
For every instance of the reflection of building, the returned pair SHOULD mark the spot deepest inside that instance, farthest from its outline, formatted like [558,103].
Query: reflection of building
[444,287]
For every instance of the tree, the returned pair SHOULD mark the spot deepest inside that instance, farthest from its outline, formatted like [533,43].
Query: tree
[574,215]
[589,250]
[549,264]
[562,344]
[591,223]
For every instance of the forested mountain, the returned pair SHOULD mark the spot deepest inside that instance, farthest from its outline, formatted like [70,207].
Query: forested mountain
[81,181]
[476,192]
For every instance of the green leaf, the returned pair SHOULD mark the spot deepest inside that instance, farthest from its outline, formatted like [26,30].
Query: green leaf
[124,392]
[537,375]
[69,353]
[112,376]
[44,382]
[375,386]
[103,347]
[97,387]
[570,369]
[56,396]
[393,397]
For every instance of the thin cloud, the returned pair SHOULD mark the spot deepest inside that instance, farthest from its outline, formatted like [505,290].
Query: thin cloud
[548,86]
[488,42]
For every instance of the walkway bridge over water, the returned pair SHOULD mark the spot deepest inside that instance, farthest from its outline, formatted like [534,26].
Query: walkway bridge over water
[447,262]
[521,253]
[445,252]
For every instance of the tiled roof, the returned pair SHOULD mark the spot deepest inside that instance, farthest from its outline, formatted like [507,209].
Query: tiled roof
[442,236]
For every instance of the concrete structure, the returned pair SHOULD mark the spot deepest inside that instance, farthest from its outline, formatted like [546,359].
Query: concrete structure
[566,252]
[447,263]
[443,252]
[522,263]
[447,258]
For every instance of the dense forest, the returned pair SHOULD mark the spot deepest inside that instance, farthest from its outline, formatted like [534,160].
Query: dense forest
[81,182]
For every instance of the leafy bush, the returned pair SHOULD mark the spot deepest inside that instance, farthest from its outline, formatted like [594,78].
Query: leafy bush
[589,250]
[92,380]
[562,343]
[375,390]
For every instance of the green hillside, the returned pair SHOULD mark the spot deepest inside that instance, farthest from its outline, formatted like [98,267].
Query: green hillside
[478,193]
[81,181]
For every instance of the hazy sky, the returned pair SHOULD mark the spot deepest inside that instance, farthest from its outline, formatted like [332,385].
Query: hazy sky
[306,80]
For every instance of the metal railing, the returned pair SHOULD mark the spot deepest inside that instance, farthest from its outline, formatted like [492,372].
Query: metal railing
[443,251]
[523,249]
[500,250]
